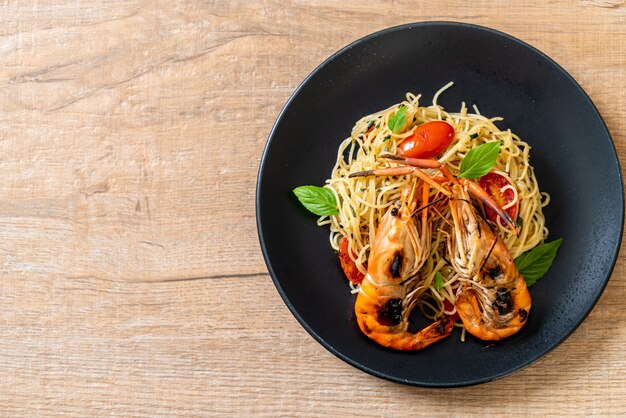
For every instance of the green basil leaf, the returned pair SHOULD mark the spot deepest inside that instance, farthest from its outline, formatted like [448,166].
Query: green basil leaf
[396,122]
[533,264]
[438,284]
[480,160]
[318,200]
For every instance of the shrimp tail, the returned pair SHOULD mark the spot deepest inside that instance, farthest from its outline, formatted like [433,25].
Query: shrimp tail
[398,337]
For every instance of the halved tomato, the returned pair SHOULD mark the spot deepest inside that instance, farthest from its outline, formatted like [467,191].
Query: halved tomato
[493,183]
[349,268]
[428,140]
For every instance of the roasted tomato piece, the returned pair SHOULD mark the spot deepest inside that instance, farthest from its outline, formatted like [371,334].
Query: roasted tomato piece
[448,306]
[349,268]
[493,183]
[428,140]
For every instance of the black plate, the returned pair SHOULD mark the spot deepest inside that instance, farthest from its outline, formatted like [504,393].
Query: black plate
[573,154]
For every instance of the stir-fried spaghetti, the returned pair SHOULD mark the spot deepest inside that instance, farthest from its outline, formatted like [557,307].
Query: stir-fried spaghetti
[362,201]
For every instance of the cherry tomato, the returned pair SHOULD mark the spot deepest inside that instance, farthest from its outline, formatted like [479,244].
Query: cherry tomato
[428,140]
[349,268]
[493,183]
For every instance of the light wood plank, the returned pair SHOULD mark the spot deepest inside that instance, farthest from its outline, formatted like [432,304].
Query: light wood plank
[132,282]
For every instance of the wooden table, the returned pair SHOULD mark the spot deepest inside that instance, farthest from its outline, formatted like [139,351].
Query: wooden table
[132,283]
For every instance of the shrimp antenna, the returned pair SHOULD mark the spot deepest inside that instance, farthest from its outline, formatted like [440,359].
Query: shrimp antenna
[418,210]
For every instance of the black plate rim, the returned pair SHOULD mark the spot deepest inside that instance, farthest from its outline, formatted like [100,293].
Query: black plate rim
[268,263]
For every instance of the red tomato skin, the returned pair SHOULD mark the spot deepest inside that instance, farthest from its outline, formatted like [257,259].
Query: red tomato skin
[349,268]
[448,307]
[428,140]
[492,183]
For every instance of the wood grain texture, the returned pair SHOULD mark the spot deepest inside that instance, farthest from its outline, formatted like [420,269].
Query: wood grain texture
[131,279]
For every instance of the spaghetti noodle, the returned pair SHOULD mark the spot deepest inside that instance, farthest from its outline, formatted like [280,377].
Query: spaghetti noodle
[362,201]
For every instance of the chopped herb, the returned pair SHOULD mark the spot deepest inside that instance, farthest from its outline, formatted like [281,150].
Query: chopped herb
[385,139]
[438,284]
[370,124]
[474,136]
[378,125]
[362,189]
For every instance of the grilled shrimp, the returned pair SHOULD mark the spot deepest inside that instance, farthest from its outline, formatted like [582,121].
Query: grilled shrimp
[492,300]
[392,285]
